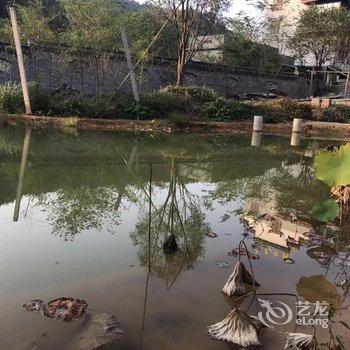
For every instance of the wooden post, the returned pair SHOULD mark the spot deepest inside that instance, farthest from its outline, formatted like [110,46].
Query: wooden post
[129,63]
[346,84]
[20,60]
[21,173]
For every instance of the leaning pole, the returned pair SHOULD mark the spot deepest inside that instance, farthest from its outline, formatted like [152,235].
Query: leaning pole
[22,72]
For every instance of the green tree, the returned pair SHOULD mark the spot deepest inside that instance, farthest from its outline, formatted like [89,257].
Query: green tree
[142,26]
[36,20]
[91,24]
[322,32]
[245,45]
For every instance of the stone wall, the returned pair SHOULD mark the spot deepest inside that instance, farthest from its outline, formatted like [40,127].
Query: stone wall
[93,76]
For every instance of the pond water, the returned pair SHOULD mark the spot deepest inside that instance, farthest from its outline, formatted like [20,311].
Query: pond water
[74,222]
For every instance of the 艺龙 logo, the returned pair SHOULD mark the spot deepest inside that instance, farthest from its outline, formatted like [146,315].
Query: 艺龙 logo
[275,314]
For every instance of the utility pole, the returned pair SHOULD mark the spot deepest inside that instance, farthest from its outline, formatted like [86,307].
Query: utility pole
[21,68]
[130,65]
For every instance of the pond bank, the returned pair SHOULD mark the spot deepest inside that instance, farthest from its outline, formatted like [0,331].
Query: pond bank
[40,122]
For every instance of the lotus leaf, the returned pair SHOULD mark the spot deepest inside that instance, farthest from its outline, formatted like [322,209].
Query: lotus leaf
[325,211]
[333,167]
[318,288]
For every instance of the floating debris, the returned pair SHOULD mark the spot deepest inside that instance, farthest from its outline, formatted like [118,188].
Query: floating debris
[65,309]
[299,341]
[211,234]
[289,261]
[236,282]
[237,328]
[315,240]
[222,264]
[255,256]
[238,251]
[34,305]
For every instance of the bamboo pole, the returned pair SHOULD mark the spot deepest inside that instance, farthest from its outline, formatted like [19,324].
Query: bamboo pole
[21,68]
[130,65]
[25,152]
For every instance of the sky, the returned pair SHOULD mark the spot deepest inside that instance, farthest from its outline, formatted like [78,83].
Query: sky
[238,6]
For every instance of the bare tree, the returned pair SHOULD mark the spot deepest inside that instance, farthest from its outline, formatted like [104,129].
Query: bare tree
[192,22]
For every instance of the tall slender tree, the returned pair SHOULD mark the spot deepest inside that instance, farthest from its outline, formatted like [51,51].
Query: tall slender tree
[192,21]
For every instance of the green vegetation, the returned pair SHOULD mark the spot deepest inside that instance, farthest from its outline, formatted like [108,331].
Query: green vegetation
[11,98]
[178,104]
[322,32]
[332,167]
[325,211]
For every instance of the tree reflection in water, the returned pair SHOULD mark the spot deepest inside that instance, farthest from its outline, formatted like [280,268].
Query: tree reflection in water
[180,215]
[73,209]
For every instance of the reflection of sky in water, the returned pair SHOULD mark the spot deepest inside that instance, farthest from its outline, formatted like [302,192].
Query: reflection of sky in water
[102,266]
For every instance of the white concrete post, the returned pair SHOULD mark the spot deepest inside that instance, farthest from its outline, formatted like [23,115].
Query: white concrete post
[22,72]
[297,125]
[130,65]
[256,139]
[295,140]
[296,133]
[258,123]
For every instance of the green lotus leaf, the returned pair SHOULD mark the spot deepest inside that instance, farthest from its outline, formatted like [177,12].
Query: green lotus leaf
[333,167]
[325,211]
[318,288]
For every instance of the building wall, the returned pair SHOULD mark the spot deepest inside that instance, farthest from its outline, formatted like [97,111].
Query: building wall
[93,77]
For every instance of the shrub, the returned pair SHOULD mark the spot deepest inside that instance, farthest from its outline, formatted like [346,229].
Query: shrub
[336,113]
[161,104]
[11,98]
[201,93]
[179,119]
[282,110]
[137,110]
[105,106]
[227,110]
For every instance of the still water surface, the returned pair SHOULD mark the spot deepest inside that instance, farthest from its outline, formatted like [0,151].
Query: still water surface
[82,232]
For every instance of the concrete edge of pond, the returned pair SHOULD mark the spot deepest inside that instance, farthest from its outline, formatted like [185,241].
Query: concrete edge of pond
[309,127]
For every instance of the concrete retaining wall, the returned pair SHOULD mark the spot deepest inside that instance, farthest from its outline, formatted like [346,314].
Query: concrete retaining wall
[93,76]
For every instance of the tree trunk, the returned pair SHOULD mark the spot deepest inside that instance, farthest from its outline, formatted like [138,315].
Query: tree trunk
[180,73]
[181,63]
